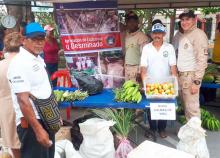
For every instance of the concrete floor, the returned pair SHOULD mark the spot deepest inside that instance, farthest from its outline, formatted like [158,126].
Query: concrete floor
[213,138]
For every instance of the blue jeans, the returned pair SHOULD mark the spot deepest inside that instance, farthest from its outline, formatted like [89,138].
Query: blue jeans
[51,68]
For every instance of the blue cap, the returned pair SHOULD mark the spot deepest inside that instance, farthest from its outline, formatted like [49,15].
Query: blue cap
[158,27]
[33,30]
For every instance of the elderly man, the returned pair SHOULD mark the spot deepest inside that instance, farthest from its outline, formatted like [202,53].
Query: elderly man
[158,60]
[191,63]
[27,76]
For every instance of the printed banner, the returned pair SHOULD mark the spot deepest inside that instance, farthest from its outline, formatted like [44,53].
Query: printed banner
[91,42]
[90,36]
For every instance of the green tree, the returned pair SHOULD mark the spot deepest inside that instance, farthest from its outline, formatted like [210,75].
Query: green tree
[147,15]
[47,18]
[210,10]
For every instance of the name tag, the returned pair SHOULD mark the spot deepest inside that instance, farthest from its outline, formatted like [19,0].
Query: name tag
[17,79]
[163,111]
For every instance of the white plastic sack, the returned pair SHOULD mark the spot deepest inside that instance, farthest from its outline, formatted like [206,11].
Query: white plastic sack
[65,149]
[97,139]
[149,149]
[192,139]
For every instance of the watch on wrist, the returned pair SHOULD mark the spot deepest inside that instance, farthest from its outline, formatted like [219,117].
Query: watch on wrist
[196,82]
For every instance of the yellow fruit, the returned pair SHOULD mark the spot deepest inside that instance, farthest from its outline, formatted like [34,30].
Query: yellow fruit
[160,87]
[165,87]
[156,91]
[167,91]
[152,87]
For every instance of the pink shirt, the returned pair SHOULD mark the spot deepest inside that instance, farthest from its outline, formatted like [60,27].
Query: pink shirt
[51,51]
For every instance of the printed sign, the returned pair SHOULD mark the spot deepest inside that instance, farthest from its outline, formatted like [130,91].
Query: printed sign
[163,111]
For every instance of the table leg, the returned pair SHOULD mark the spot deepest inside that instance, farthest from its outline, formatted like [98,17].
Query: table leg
[68,113]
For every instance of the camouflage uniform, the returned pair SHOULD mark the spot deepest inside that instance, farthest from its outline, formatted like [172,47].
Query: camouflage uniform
[191,64]
[133,47]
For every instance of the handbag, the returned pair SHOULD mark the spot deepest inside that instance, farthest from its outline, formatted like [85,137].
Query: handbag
[49,112]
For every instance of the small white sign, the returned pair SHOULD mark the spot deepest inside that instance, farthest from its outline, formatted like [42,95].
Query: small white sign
[163,111]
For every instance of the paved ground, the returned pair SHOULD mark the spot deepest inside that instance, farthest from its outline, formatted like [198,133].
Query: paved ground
[213,138]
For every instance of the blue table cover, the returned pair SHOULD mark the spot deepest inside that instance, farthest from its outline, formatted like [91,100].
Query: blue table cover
[106,100]
[210,85]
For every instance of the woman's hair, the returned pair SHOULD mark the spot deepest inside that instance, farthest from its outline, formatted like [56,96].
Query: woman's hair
[12,42]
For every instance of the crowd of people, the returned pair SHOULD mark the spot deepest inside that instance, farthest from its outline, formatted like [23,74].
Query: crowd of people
[23,75]
[186,59]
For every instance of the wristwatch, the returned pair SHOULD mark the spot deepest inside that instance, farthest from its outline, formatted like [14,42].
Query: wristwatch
[196,82]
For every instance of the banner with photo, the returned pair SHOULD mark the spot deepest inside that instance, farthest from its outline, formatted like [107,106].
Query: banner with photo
[90,36]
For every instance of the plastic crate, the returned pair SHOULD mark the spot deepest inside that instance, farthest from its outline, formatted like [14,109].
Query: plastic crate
[162,80]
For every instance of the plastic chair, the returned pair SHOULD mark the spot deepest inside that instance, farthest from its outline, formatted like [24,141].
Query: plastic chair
[63,80]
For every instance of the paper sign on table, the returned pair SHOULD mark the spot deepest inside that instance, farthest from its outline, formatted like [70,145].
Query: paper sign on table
[163,111]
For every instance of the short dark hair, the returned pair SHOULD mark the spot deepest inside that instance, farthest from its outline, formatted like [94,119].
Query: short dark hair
[131,15]
[12,42]
[187,13]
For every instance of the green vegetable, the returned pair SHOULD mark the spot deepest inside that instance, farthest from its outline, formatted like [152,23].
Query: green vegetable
[70,96]
[129,92]
[122,117]
[182,119]
[208,78]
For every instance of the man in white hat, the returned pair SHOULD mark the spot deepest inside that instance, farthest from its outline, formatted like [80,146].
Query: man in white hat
[158,60]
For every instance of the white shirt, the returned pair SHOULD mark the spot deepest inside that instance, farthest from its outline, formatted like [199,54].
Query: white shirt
[27,73]
[158,62]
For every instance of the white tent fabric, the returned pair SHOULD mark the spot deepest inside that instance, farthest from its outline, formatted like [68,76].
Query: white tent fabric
[128,4]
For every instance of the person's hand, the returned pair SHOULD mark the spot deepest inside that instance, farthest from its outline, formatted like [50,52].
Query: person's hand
[194,89]
[61,121]
[61,51]
[43,138]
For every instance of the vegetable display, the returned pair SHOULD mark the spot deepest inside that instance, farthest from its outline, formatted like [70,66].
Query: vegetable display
[211,74]
[70,96]
[129,92]
[209,121]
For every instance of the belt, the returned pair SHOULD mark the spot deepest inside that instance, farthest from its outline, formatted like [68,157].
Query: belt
[130,65]
[186,73]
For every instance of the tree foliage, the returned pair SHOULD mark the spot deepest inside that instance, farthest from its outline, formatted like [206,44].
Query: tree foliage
[147,15]
[210,10]
[47,18]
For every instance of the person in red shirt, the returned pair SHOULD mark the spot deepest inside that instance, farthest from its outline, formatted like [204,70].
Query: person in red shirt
[51,51]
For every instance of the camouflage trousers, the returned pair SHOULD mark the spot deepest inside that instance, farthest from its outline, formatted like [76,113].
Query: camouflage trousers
[190,101]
